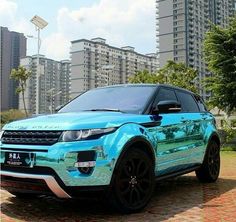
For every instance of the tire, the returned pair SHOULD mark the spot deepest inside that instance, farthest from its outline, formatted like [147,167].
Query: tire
[133,183]
[210,169]
[24,195]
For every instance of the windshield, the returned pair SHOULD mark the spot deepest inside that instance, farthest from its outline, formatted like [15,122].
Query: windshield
[129,99]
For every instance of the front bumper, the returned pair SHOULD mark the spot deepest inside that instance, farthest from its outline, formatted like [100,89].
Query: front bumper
[50,181]
[60,159]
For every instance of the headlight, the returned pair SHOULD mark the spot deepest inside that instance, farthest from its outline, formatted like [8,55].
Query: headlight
[75,135]
[1,133]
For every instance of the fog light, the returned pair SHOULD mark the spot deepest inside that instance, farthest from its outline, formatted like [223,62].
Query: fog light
[85,167]
[85,164]
[86,161]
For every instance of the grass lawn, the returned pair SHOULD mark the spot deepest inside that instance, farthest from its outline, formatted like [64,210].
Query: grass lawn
[228,148]
[228,154]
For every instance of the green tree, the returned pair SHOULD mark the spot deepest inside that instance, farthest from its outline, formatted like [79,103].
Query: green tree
[220,56]
[21,74]
[177,74]
[144,77]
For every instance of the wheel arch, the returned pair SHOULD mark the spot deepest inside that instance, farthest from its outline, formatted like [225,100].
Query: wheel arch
[140,143]
[215,137]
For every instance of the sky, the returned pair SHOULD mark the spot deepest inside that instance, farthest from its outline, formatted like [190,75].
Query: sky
[120,22]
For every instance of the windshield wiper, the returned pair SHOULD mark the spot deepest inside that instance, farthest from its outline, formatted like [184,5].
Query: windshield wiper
[105,109]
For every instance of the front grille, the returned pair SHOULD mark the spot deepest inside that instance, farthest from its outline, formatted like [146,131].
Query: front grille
[31,137]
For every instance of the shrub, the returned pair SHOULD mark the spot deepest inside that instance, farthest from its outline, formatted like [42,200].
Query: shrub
[10,115]
[227,133]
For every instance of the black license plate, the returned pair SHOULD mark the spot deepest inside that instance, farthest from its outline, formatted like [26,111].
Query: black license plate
[19,159]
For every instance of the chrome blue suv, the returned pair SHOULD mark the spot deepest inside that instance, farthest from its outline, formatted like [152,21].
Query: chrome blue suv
[114,141]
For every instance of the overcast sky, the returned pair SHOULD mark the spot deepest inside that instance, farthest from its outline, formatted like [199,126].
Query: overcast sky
[121,22]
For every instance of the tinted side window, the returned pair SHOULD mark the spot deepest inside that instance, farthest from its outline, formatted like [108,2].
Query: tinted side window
[188,103]
[201,104]
[165,94]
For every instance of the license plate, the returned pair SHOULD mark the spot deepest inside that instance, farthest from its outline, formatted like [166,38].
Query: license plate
[19,159]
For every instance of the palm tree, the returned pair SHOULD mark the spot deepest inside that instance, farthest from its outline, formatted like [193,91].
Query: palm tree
[21,74]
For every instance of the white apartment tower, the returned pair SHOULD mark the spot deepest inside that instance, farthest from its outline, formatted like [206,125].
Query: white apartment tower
[95,63]
[54,84]
[181,27]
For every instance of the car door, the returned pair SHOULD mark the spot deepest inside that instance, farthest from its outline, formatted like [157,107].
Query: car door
[170,135]
[193,131]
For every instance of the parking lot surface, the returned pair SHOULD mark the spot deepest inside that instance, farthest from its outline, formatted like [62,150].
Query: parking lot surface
[179,199]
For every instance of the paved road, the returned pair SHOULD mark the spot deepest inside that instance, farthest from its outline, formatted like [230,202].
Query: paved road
[180,199]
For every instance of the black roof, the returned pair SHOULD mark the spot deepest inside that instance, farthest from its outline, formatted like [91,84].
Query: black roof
[148,84]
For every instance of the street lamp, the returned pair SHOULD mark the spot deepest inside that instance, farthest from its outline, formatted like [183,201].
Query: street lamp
[39,24]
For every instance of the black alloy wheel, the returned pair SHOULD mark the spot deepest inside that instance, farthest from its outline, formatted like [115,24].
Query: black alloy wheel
[134,181]
[214,161]
[210,169]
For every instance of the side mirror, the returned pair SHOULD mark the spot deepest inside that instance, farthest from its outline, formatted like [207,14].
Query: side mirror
[168,106]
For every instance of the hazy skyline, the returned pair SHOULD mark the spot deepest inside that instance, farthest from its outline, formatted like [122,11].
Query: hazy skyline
[121,22]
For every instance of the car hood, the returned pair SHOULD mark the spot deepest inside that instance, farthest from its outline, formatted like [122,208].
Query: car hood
[76,121]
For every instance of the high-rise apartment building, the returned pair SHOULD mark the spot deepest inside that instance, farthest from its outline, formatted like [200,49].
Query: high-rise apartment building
[181,27]
[12,48]
[95,63]
[54,84]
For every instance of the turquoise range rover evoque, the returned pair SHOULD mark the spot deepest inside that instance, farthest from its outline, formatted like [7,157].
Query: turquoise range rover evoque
[115,141]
